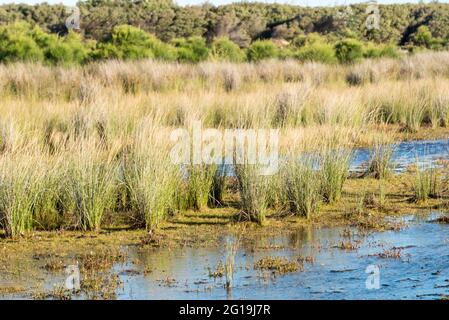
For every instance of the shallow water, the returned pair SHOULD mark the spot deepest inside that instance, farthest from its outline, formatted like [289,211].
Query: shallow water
[425,153]
[422,271]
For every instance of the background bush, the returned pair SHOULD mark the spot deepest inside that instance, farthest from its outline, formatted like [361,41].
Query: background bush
[348,51]
[192,50]
[319,52]
[262,49]
[17,44]
[226,50]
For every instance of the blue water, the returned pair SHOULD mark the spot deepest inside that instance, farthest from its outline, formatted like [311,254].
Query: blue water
[423,153]
[421,271]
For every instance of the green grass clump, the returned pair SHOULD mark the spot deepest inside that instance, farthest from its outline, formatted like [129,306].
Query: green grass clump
[254,192]
[91,185]
[334,170]
[426,184]
[302,186]
[47,212]
[200,183]
[22,182]
[218,188]
[152,182]
[380,164]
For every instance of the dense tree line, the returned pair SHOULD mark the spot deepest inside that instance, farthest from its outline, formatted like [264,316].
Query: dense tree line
[135,29]
[241,22]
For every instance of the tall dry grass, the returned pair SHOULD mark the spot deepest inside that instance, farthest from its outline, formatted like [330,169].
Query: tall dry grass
[74,139]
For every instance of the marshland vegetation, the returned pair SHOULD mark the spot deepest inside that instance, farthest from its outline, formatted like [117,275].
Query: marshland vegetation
[86,145]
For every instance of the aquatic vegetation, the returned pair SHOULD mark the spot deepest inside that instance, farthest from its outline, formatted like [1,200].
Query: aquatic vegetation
[278,264]
[253,189]
[232,245]
[302,186]
[426,184]
[231,251]
[393,253]
[91,182]
[151,180]
[22,184]
[81,144]
[334,170]
[218,188]
[380,164]
[444,220]
[219,272]
[348,245]
[202,180]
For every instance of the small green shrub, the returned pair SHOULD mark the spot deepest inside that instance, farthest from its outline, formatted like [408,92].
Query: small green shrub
[374,51]
[262,49]
[318,52]
[131,43]
[61,50]
[224,49]
[191,50]
[17,44]
[348,50]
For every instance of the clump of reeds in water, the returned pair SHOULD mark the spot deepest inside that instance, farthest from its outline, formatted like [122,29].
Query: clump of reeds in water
[426,184]
[334,170]
[232,245]
[253,189]
[231,250]
[302,185]
[380,165]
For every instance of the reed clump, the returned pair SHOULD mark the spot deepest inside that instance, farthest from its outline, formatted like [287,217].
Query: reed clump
[22,185]
[427,184]
[380,163]
[334,170]
[253,189]
[301,183]
[202,183]
[91,183]
[151,180]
